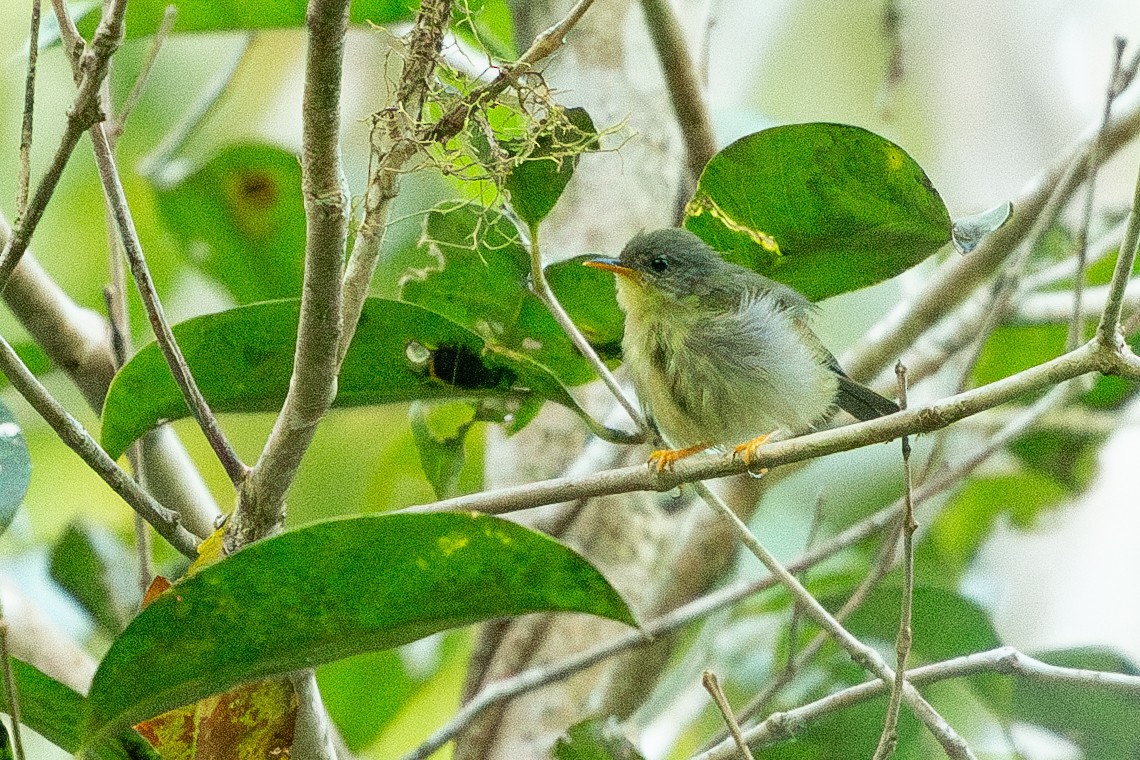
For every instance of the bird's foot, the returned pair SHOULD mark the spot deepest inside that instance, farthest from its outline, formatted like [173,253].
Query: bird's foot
[747,450]
[664,459]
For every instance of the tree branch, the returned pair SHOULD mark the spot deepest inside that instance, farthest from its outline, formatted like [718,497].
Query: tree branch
[312,387]
[684,87]
[923,419]
[954,281]
[80,441]
[1005,660]
[29,110]
[90,68]
[1108,331]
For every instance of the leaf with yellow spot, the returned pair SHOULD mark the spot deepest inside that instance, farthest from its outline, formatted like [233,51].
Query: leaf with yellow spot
[825,208]
[328,591]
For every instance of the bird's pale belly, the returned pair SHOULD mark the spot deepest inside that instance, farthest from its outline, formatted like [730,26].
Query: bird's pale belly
[696,398]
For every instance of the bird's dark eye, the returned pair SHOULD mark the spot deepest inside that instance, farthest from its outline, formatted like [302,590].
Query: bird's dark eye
[659,264]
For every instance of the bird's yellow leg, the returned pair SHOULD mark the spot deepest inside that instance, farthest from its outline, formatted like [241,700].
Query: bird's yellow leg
[664,459]
[747,450]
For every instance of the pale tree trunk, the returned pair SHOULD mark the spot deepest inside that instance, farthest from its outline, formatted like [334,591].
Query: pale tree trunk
[657,551]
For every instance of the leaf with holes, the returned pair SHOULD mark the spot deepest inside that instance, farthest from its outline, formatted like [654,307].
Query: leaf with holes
[480,282]
[824,208]
[242,360]
[331,590]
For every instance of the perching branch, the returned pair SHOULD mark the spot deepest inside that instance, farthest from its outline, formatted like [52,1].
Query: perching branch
[1090,357]
[312,387]
[1108,331]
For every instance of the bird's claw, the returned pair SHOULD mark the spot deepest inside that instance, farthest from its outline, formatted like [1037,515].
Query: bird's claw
[747,451]
[665,459]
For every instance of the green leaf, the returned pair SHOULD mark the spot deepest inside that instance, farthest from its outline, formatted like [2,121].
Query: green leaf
[824,208]
[331,590]
[442,454]
[536,183]
[57,712]
[242,360]
[1105,725]
[480,282]
[241,219]
[595,739]
[93,566]
[15,467]
[588,295]
[960,528]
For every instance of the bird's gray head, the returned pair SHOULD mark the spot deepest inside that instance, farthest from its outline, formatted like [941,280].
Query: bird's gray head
[672,260]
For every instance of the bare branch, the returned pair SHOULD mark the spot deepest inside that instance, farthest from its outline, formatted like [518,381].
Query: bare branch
[923,419]
[119,121]
[13,697]
[80,441]
[394,141]
[685,91]
[861,653]
[29,110]
[954,281]
[546,295]
[1005,660]
[1108,331]
[312,387]
[712,686]
[90,67]
[889,736]
[1076,321]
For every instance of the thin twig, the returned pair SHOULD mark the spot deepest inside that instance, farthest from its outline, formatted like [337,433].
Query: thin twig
[90,67]
[537,677]
[1005,660]
[864,655]
[954,281]
[72,433]
[26,123]
[120,210]
[312,387]
[1108,330]
[10,690]
[1090,357]
[119,120]
[546,295]
[394,140]
[712,686]
[683,85]
[889,736]
[1076,321]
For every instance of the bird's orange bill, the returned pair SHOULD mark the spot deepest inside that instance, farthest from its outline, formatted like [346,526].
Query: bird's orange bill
[747,450]
[611,265]
[664,459]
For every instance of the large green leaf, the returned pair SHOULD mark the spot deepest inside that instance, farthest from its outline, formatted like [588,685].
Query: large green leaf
[825,208]
[15,466]
[481,283]
[242,360]
[589,297]
[240,217]
[595,739]
[331,590]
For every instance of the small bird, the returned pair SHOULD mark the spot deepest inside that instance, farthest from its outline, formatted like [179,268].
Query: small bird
[720,355]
